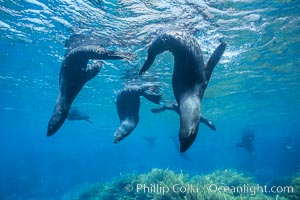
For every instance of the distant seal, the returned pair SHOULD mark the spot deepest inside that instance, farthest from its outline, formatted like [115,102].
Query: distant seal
[75,114]
[290,144]
[128,106]
[189,80]
[74,73]
[246,141]
[150,140]
[175,108]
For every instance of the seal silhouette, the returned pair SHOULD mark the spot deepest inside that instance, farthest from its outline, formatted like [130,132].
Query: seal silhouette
[247,141]
[74,73]
[189,80]
[75,114]
[128,106]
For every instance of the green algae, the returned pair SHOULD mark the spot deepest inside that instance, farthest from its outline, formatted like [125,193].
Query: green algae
[295,183]
[165,184]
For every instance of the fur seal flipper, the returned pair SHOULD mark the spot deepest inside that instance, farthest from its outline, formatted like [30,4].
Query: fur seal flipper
[189,80]
[74,73]
[128,106]
[207,122]
[175,108]
[213,61]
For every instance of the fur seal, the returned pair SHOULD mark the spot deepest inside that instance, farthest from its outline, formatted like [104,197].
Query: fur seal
[150,140]
[75,114]
[189,80]
[74,73]
[128,106]
[246,141]
[175,108]
[290,144]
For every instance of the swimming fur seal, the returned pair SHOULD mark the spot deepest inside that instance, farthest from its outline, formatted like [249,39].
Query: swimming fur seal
[246,141]
[74,73]
[150,140]
[75,114]
[128,106]
[175,108]
[189,80]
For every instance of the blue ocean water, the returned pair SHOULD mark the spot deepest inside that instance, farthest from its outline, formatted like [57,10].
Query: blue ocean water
[255,86]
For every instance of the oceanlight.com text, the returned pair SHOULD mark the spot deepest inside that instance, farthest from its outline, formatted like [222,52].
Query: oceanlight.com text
[250,189]
[212,188]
